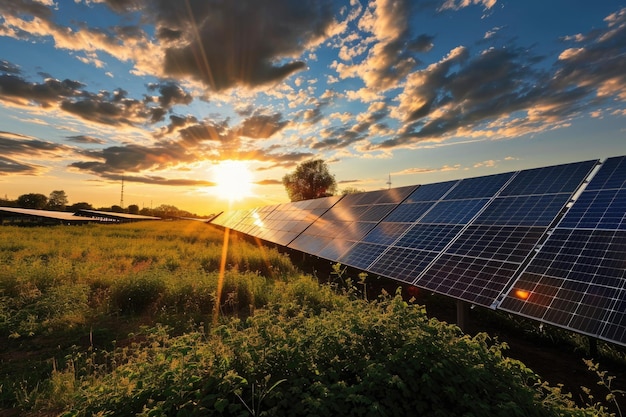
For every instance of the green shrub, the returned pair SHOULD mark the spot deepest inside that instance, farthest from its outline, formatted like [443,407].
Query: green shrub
[378,359]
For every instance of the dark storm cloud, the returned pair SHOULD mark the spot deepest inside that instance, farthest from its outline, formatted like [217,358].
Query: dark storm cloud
[246,42]
[105,111]
[338,138]
[206,131]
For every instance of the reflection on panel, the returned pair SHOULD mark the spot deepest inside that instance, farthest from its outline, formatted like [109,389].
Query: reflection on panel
[578,278]
[349,221]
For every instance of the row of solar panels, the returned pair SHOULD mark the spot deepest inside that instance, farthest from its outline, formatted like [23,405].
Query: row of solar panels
[546,243]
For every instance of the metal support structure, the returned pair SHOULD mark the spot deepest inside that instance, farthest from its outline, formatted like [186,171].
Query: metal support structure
[462,313]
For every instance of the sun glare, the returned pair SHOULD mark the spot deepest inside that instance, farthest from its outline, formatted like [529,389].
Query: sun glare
[233,180]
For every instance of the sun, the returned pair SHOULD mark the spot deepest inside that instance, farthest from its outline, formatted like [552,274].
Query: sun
[233,180]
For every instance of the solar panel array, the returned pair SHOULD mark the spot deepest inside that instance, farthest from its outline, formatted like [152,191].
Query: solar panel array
[543,243]
[577,279]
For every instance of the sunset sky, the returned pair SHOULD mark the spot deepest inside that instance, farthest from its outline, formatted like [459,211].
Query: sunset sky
[161,92]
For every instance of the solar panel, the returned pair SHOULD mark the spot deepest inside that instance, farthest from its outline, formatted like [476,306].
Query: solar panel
[539,243]
[348,221]
[437,224]
[577,280]
[361,254]
[483,259]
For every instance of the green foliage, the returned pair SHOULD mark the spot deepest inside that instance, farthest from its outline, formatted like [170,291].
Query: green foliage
[385,358]
[311,179]
[284,345]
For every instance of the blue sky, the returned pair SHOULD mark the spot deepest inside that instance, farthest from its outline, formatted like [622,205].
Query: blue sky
[160,93]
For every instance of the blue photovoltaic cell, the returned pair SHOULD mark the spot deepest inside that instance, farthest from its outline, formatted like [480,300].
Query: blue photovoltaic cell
[549,180]
[612,175]
[510,243]
[386,233]
[430,237]
[454,212]
[475,280]
[578,278]
[377,212]
[598,209]
[402,263]
[409,212]
[362,254]
[535,210]
[335,248]
[430,192]
[395,195]
[479,187]
[574,281]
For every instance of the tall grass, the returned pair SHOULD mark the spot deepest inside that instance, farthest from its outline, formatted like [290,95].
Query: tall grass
[58,277]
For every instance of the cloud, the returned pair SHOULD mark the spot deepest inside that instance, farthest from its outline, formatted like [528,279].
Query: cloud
[244,43]
[16,148]
[460,4]
[269,182]
[10,166]
[133,158]
[389,57]
[104,107]
[464,95]
[159,180]
[261,126]
[85,139]
[413,171]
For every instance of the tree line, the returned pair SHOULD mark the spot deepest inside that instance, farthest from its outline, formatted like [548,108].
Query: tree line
[58,201]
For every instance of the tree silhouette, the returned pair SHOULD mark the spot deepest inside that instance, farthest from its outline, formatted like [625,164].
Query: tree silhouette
[32,201]
[57,200]
[311,179]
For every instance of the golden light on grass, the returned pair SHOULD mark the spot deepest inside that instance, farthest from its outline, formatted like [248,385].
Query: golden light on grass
[233,180]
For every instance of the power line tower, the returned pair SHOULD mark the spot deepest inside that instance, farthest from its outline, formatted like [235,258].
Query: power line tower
[122,196]
[389,182]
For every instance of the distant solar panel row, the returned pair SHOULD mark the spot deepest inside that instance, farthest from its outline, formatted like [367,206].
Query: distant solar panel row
[512,241]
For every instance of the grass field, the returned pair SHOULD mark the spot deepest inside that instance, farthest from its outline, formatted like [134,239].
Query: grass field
[163,318]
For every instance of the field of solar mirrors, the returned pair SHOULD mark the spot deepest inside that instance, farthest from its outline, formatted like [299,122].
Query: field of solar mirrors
[121,320]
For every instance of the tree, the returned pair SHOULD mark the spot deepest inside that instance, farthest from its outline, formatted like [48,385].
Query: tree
[32,201]
[80,206]
[57,200]
[133,209]
[311,179]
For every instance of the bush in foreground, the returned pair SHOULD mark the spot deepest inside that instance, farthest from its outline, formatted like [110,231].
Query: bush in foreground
[351,359]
